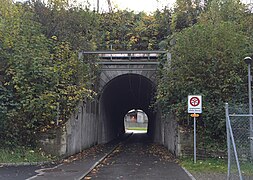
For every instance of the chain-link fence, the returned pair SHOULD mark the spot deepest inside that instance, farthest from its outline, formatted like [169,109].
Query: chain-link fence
[240,143]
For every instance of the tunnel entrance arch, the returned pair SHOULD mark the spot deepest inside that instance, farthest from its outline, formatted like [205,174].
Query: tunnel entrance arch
[127,80]
[127,91]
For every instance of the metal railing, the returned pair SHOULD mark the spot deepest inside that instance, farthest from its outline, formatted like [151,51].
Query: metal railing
[127,55]
[239,143]
[127,60]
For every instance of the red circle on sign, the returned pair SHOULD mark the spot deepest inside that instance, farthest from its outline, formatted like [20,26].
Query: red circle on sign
[194,101]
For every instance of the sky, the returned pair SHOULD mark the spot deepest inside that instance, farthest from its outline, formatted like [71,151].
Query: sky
[134,5]
[139,5]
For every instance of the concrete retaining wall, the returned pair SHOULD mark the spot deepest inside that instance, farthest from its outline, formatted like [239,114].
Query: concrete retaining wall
[79,132]
[84,129]
[169,133]
[107,131]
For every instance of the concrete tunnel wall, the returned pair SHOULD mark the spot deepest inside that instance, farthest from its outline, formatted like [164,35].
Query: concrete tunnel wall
[121,94]
[102,120]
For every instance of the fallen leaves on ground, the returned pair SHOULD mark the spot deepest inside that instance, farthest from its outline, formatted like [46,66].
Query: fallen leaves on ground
[93,151]
[161,152]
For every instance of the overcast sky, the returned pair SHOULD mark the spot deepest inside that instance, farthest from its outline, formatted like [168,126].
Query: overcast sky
[135,5]
[141,5]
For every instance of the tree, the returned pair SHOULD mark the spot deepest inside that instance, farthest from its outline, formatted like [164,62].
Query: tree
[185,14]
[128,31]
[207,61]
[73,24]
[43,79]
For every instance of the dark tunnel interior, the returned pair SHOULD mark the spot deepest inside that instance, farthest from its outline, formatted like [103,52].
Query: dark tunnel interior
[124,93]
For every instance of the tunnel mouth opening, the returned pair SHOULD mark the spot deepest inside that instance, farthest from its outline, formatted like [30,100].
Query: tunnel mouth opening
[120,95]
[136,121]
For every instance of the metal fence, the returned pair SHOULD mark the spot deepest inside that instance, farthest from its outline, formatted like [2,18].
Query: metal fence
[240,143]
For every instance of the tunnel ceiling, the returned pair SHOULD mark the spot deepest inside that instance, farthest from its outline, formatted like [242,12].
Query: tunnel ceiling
[126,92]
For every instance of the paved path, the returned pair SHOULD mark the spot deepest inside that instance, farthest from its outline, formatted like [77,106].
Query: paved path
[138,158]
[75,167]
[17,172]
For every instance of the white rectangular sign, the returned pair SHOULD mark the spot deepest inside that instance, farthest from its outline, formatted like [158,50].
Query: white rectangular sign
[195,104]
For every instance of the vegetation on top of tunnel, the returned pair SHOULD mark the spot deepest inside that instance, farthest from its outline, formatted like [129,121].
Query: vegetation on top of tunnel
[42,80]
[208,61]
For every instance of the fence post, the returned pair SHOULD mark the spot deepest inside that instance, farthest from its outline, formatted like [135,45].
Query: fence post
[228,141]
[234,147]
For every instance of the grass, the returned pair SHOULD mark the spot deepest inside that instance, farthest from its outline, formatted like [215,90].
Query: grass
[246,168]
[22,154]
[207,165]
[215,165]
[137,128]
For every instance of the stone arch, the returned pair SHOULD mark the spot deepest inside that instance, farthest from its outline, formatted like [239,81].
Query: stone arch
[107,76]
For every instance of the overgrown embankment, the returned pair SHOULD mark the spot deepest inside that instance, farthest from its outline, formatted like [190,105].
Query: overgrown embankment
[42,80]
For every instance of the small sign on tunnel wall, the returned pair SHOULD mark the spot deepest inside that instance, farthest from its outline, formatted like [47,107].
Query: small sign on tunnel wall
[194,104]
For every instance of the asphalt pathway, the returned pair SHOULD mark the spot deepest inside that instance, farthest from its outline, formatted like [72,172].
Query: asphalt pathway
[17,172]
[135,158]
[138,158]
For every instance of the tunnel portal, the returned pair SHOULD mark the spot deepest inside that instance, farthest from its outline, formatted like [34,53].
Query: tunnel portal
[126,81]
[121,94]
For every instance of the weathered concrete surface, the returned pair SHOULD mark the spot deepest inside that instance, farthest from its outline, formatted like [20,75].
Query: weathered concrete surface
[172,136]
[80,132]
[102,120]
[54,142]
[107,74]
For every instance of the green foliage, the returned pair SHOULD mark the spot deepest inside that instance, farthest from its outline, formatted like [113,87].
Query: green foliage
[22,154]
[42,79]
[215,165]
[185,14]
[207,60]
[125,30]
[77,26]
[224,10]
[205,165]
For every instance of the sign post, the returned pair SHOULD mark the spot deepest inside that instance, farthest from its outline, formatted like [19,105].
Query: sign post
[194,108]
